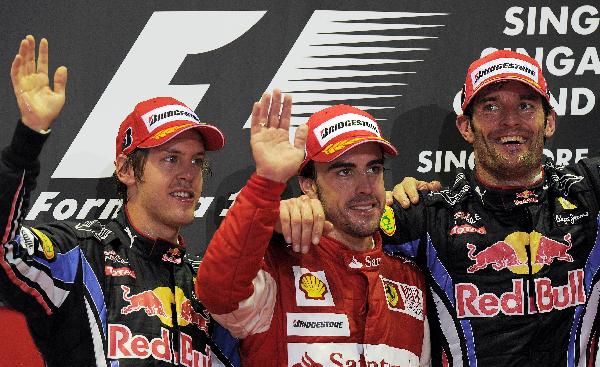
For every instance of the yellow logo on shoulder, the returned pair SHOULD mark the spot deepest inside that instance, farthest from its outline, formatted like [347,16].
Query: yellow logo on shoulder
[388,222]
[566,204]
[47,245]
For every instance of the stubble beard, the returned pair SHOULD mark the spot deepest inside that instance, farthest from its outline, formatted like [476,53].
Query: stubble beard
[342,222]
[509,168]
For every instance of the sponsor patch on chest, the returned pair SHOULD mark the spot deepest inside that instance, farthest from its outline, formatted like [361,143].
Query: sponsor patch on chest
[312,288]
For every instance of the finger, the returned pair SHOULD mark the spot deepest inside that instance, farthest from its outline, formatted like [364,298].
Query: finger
[434,186]
[60,80]
[300,136]
[411,187]
[400,196]
[389,198]
[15,71]
[284,221]
[42,64]
[255,120]
[23,55]
[273,119]
[30,55]
[319,221]
[286,112]
[307,224]
[296,224]
[265,102]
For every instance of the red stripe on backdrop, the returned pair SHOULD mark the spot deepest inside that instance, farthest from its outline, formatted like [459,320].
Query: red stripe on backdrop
[17,346]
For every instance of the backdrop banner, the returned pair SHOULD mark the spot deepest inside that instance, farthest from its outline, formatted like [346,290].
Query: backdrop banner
[403,61]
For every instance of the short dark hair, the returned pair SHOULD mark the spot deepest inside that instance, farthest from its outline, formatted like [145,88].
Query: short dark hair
[309,171]
[137,161]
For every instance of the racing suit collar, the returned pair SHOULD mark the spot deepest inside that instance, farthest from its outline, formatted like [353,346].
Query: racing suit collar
[363,261]
[508,198]
[155,249]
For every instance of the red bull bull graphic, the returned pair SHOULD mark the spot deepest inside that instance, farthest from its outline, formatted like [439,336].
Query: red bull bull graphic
[123,344]
[511,253]
[470,302]
[157,302]
[526,197]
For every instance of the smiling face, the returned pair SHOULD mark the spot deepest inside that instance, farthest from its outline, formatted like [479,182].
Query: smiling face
[165,198]
[351,191]
[507,130]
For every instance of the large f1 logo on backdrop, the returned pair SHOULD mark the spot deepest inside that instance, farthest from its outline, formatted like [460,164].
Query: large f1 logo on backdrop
[339,56]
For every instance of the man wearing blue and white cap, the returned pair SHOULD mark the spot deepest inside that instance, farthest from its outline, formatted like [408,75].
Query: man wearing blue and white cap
[511,250]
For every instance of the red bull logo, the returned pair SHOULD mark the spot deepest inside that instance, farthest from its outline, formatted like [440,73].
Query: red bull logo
[511,253]
[470,302]
[157,302]
[526,197]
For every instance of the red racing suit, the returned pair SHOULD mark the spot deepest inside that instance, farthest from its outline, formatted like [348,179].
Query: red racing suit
[329,307]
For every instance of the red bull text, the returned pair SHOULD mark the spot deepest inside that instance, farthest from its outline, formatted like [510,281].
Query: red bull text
[123,344]
[470,302]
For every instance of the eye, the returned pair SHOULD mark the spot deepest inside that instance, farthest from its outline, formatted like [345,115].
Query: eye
[375,169]
[198,162]
[170,159]
[525,106]
[490,107]
[344,172]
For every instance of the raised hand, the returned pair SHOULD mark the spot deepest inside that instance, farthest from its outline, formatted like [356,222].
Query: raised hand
[39,104]
[275,157]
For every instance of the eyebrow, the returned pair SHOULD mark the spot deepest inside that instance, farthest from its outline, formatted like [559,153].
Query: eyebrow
[176,151]
[337,165]
[524,97]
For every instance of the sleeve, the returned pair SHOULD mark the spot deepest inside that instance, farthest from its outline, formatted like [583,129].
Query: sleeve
[234,282]
[33,278]
[403,230]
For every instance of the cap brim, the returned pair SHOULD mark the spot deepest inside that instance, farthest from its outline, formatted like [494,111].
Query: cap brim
[324,157]
[212,136]
[504,77]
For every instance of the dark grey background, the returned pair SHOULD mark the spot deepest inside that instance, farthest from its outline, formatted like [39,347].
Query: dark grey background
[92,38]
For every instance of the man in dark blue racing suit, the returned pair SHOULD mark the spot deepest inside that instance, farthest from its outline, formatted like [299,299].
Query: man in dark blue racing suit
[511,249]
[115,294]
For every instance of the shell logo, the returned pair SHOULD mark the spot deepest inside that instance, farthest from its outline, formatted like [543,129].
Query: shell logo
[312,286]
[566,204]
[47,245]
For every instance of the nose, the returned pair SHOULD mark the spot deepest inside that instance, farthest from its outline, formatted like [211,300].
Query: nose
[364,183]
[188,171]
[511,118]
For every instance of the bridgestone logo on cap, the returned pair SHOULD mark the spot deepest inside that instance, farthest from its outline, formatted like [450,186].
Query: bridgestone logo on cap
[166,114]
[504,66]
[343,124]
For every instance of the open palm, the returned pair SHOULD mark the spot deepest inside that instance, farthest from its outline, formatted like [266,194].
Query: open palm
[39,104]
[276,158]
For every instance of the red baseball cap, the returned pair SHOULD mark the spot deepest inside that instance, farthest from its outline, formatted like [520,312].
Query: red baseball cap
[336,129]
[158,120]
[503,65]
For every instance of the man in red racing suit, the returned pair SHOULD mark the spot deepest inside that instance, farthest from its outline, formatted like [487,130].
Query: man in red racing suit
[342,303]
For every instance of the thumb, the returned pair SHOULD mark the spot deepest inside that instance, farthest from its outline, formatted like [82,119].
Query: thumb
[327,227]
[300,136]
[60,80]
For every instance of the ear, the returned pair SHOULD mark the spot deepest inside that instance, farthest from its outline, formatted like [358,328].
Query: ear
[308,187]
[550,124]
[463,124]
[124,172]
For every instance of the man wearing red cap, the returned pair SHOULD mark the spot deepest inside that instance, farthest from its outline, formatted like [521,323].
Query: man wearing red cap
[115,294]
[511,250]
[344,302]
